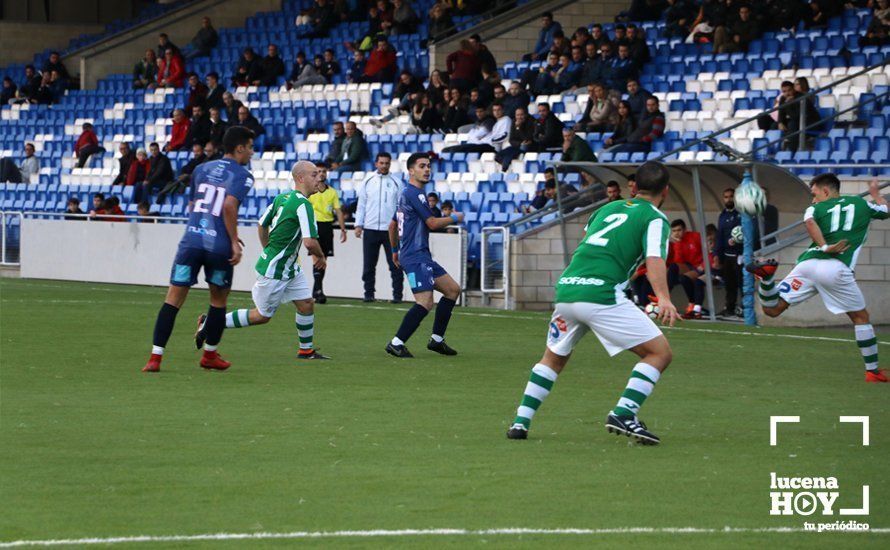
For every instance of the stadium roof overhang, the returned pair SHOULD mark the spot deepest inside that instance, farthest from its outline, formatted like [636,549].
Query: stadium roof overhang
[787,192]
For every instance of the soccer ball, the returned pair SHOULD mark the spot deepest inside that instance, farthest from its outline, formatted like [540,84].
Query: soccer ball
[737,234]
[651,310]
[749,197]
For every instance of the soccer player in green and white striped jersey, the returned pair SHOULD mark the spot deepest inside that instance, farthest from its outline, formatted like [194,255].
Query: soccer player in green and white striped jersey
[590,297]
[838,225]
[288,222]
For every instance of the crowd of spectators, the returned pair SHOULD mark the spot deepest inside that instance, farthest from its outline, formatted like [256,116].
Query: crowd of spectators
[44,87]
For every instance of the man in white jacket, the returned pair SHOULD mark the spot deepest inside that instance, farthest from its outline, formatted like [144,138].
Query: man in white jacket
[377,202]
[484,137]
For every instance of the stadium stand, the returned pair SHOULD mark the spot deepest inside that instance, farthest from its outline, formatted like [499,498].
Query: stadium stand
[699,92]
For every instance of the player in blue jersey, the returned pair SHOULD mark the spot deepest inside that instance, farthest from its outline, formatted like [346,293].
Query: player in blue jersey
[409,235]
[210,243]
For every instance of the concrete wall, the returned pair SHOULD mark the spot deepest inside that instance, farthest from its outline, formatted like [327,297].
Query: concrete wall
[20,41]
[119,54]
[513,34]
[69,11]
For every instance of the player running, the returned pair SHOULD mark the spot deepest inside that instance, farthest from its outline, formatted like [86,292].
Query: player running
[411,229]
[210,242]
[590,296]
[838,225]
[288,221]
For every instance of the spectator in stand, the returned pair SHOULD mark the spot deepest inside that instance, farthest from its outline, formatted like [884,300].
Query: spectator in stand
[354,150]
[816,18]
[218,127]
[782,15]
[30,85]
[87,144]
[575,148]
[433,200]
[876,33]
[213,151]
[521,138]
[111,211]
[329,67]
[545,38]
[436,88]
[620,36]
[728,252]
[455,111]
[649,128]
[137,169]
[164,44]
[322,19]
[54,63]
[686,266]
[44,93]
[464,67]
[637,97]
[197,94]
[179,133]
[357,69]
[738,36]
[561,44]
[303,73]
[678,17]
[406,90]
[8,93]
[271,67]
[248,69]
[542,81]
[638,48]
[581,37]
[231,106]
[441,24]
[143,210]
[204,41]
[613,191]
[72,209]
[569,73]
[249,121]
[182,181]
[126,159]
[381,65]
[600,115]
[98,203]
[488,135]
[475,101]
[487,61]
[379,18]
[599,38]
[336,151]
[30,166]
[516,99]
[171,70]
[199,128]
[789,115]
[625,127]
[424,116]
[160,173]
[623,69]
[404,18]
[57,86]
[215,91]
[548,129]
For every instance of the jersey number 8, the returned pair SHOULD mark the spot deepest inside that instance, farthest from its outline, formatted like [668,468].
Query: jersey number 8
[212,195]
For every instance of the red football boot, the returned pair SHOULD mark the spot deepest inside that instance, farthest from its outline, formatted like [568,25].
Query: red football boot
[691,313]
[212,361]
[762,268]
[154,364]
[876,376]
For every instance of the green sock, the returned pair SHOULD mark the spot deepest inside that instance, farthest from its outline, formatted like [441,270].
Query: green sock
[305,331]
[540,382]
[639,386]
[238,318]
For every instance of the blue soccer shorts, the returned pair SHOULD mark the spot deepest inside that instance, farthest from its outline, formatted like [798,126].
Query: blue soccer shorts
[189,261]
[422,275]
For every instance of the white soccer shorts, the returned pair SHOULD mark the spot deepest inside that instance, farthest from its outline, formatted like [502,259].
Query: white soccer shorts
[268,293]
[618,327]
[831,279]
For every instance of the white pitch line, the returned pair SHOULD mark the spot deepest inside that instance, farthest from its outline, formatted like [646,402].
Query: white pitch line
[417,533]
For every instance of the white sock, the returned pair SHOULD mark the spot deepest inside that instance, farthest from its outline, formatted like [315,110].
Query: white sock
[157,350]
[396,342]
[696,308]
[305,330]
[238,318]
[538,387]
[208,347]
[868,345]
[436,338]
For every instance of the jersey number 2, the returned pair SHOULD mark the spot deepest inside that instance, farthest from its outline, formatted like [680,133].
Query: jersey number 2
[612,221]
[849,212]
[212,199]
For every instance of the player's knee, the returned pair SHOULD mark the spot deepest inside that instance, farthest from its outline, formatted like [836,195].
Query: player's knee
[859,317]
[305,307]
[772,311]
[260,320]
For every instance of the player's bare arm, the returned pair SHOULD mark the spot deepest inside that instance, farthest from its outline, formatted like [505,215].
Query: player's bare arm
[816,234]
[874,190]
[434,224]
[341,220]
[656,269]
[230,217]
[314,250]
[263,234]
[394,241]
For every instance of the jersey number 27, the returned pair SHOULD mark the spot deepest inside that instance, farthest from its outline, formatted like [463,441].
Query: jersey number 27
[212,199]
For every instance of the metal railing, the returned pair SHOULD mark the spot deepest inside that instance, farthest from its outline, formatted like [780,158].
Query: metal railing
[495,8]
[9,255]
[495,262]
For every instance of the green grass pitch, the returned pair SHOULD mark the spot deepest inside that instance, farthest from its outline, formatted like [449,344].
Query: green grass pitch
[91,447]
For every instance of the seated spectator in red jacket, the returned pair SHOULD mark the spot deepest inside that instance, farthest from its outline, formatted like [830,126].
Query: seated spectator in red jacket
[171,70]
[464,67]
[138,171]
[87,144]
[180,132]
[686,266]
[381,65]
[111,211]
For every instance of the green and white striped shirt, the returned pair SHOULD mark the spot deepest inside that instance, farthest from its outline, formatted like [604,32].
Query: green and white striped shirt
[291,219]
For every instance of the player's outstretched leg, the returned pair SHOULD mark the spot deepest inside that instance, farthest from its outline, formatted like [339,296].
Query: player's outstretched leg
[239,318]
[450,291]
[306,330]
[164,326]
[412,319]
[214,326]
[765,270]
[540,383]
[655,356]
[868,346]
